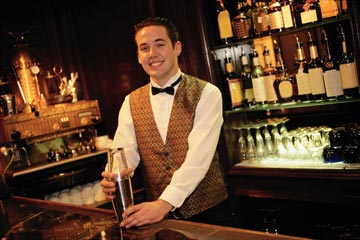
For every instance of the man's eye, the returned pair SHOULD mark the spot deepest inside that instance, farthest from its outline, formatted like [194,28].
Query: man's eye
[160,45]
[144,49]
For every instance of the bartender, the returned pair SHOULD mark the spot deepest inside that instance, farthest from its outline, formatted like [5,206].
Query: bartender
[170,128]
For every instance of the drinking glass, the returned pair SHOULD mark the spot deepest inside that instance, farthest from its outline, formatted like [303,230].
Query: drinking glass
[123,193]
[251,148]
[268,142]
[242,146]
[260,145]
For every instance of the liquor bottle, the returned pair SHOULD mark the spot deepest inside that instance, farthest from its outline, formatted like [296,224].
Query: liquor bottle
[234,85]
[284,84]
[260,18]
[249,99]
[242,23]
[302,74]
[258,81]
[329,8]
[269,78]
[315,71]
[309,12]
[348,70]
[332,80]
[275,15]
[224,22]
[287,10]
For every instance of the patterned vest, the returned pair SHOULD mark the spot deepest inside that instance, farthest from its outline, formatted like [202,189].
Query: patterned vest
[159,161]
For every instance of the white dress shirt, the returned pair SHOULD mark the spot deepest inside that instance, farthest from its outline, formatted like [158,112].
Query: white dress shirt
[202,140]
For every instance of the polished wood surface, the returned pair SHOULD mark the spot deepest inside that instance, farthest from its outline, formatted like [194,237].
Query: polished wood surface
[27,216]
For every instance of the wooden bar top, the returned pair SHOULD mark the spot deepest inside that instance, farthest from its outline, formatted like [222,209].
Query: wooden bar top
[26,218]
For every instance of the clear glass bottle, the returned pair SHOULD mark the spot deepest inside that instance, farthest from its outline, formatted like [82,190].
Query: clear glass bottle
[332,80]
[275,16]
[242,23]
[285,84]
[224,22]
[249,99]
[348,70]
[269,77]
[260,18]
[234,85]
[315,71]
[258,81]
[302,74]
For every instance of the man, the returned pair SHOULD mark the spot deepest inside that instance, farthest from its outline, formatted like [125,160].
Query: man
[173,134]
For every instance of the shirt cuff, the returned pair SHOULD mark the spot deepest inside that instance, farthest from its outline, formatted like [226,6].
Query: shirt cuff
[173,196]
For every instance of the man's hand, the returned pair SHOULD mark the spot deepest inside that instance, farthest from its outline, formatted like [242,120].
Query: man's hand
[145,213]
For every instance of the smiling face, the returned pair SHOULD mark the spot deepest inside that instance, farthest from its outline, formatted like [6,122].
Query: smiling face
[157,55]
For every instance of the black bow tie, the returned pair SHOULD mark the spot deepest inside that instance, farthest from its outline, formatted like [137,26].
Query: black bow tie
[169,90]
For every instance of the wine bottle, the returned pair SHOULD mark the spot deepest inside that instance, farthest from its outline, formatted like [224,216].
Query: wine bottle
[242,23]
[258,81]
[315,71]
[249,99]
[332,80]
[310,12]
[329,8]
[284,84]
[269,78]
[348,70]
[302,74]
[275,15]
[224,22]
[234,85]
[260,18]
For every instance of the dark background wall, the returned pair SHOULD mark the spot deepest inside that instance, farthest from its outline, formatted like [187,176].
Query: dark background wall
[95,39]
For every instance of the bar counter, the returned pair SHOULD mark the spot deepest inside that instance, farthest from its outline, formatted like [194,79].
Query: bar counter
[26,218]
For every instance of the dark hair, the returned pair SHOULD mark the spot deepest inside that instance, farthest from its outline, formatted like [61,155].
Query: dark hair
[159,21]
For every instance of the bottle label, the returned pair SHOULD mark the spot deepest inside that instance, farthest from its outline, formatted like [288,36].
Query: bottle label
[303,83]
[259,89]
[287,16]
[333,85]
[317,81]
[349,76]
[235,92]
[249,94]
[329,8]
[224,23]
[229,67]
[270,90]
[276,20]
[308,16]
[285,89]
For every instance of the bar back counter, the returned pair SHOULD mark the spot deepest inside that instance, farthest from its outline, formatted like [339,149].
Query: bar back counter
[25,218]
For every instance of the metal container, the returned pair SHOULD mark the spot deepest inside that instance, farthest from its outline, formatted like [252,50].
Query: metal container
[8,104]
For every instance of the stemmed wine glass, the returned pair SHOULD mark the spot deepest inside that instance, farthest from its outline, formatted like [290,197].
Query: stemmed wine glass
[251,148]
[260,145]
[242,145]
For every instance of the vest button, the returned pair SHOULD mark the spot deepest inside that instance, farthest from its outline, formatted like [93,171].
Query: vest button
[166,154]
[168,168]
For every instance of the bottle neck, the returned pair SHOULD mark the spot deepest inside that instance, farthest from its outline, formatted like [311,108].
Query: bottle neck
[327,50]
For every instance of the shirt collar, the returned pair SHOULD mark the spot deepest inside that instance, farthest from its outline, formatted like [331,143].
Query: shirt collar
[171,80]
